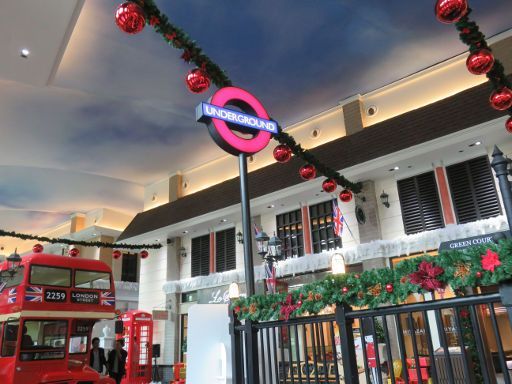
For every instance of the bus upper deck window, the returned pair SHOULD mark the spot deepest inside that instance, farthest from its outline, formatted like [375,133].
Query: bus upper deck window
[92,279]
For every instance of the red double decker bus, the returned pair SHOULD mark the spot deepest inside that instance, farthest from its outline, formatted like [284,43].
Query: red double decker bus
[47,312]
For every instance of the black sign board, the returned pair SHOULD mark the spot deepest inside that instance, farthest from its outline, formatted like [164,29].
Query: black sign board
[55,295]
[85,297]
[471,241]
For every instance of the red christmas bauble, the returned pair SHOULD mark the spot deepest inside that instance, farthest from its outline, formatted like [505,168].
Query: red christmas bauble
[508,125]
[501,99]
[299,303]
[480,62]
[144,254]
[346,195]
[357,276]
[130,18]
[282,153]
[450,11]
[117,254]
[74,252]
[478,275]
[389,288]
[198,81]
[344,290]
[38,248]
[307,172]
[329,185]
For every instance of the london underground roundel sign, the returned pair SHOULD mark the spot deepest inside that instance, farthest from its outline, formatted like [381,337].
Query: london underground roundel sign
[246,130]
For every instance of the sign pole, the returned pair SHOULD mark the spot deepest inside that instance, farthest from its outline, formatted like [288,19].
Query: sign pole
[246,225]
[500,165]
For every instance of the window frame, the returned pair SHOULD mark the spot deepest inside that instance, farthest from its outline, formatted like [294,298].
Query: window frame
[126,257]
[326,228]
[65,347]
[201,273]
[90,270]
[71,275]
[4,329]
[287,236]
[226,256]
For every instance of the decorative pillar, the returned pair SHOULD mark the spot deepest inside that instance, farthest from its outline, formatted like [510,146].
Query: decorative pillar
[306,229]
[444,194]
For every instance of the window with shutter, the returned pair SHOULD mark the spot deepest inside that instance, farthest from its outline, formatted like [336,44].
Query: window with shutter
[419,201]
[322,230]
[473,190]
[289,230]
[201,256]
[225,250]
[129,267]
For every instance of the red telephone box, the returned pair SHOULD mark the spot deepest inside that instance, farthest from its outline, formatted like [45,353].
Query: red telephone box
[138,341]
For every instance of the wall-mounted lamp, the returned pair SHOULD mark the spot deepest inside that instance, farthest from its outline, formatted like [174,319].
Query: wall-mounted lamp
[384,199]
[234,291]
[182,251]
[240,237]
[338,264]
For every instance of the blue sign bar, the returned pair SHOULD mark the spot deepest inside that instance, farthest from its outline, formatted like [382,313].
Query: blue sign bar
[205,111]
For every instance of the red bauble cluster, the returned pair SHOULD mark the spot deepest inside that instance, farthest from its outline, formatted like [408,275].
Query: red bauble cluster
[282,153]
[344,290]
[144,254]
[346,195]
[117,254]
[329,185]
[450,11]
[307,172]
[478,275]
[198,80]
[74,252]
[389,288]
[480,62]
[501,99]
[508,125]
[130,18]
[38,248]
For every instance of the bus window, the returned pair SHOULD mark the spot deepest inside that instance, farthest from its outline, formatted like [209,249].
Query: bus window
[92,279]
[78,344]
[42,275]
[43,339]
[16,279]
[9,338]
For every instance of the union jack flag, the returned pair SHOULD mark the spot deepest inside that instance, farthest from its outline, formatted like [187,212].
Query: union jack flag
[270,277]
[108,298]
[337,218]
[34,294]
[12,296]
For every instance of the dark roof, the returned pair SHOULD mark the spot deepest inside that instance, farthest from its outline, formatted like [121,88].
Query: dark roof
[455,113]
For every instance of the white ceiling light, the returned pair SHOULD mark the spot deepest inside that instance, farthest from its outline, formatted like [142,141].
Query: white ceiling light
[24,53]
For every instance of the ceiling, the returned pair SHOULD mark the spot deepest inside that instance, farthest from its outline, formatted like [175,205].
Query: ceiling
[93,115]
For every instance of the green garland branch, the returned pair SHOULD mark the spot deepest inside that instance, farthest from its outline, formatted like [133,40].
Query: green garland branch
[192,53]
[472,267]
[470,34]
[99,244]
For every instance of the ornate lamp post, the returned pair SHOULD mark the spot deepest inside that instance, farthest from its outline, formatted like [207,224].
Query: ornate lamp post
[270,250]
[13,265]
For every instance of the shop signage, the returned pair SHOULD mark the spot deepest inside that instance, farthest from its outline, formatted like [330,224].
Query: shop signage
[226,125]
[218,295]
[85,297]
[468,242]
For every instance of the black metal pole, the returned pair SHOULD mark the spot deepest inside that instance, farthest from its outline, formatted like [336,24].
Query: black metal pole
[500,165]
[348,352]
[246,225]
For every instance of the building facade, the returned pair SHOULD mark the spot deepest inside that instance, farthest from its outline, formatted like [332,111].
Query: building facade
[422,145]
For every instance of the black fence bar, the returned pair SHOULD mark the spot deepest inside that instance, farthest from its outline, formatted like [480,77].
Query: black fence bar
[462,344]
[348,353]
[430,346]
[499,344]
[479,344]
[365,356]
[388,350]
[403,352]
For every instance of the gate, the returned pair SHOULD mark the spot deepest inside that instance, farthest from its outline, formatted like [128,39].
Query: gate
[461,340]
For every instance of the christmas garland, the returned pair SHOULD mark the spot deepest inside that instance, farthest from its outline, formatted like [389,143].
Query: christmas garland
[192,53]
[457,269]
[99,244]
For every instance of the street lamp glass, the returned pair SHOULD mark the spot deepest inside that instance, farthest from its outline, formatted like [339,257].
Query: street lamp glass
[234,291]
[274,247]
[240,237]
[338,264]
[262,242]
[13,263]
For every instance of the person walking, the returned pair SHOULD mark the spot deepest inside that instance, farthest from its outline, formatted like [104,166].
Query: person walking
[117,362]
[97,358]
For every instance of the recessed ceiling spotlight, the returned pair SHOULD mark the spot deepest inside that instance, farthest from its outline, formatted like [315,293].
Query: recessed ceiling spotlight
[157,240]
[223,220]
[475,144]
[94,235]
[461,150]
[409,166]
[394,169]
[24,53]
[185,232]
[271,206]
